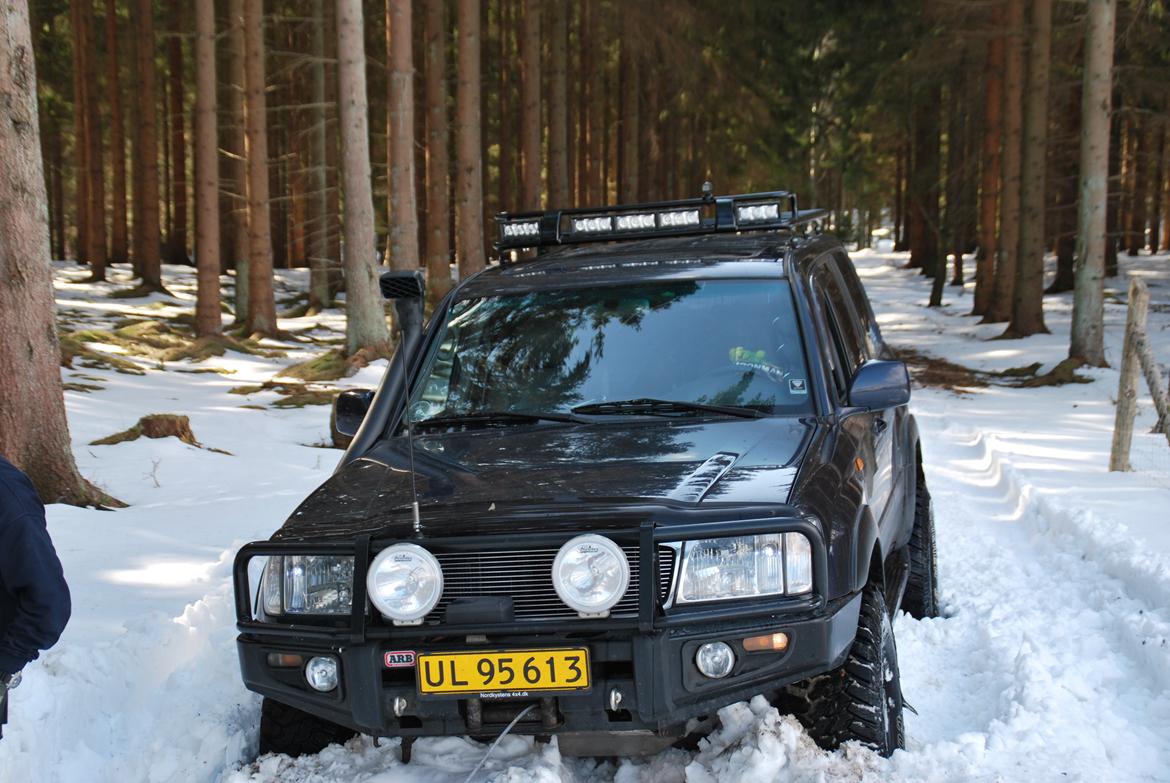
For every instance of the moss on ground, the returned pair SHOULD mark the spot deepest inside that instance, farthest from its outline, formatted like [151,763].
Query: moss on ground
[328,366]
[155,341]
[292,395]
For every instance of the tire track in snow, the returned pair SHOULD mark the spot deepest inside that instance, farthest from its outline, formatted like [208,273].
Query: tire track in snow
[1062,666]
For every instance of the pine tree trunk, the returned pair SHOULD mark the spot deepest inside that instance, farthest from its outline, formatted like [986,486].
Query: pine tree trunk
[956,121]
[119,243]
[999,309]
[332,155]
[1088,323]
[627,174]
[147,236]
[237,148]
[1165,243]
[899,187]
[365,319]
[34,433]
[530,117]
[598,120]
[584,104]
[207,316]
[1157,167]
[1114,225]
[925,187]
[509,115]
[95,212]
[317,229]
[168,212]
[177,247]
[1063,180]
[80,148]
[261,299]
[1028,296]
[438,138]
[468,156]
[1137,209]
[558,107]
[402,246]
[992,167]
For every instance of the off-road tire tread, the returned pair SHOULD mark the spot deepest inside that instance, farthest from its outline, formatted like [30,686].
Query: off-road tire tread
[285,729]
[921,596]
[844,704]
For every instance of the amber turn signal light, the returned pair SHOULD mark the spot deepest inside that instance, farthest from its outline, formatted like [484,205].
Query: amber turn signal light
[285,661]
[769,642]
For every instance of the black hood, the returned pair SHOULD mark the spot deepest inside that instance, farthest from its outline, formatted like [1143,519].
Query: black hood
[466,479]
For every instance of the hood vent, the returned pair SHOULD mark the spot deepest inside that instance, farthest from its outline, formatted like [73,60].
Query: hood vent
[699,483]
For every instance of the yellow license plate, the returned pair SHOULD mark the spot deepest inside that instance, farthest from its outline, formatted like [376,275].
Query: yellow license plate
[503,673]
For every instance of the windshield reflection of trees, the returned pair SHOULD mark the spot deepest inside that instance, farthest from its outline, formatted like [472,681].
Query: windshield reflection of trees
[520,350]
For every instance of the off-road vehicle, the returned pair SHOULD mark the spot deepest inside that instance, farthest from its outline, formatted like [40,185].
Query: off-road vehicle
[654,461]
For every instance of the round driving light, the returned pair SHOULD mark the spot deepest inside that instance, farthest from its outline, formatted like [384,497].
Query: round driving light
[715,660]
[591,574]
[405,582]
[321,673]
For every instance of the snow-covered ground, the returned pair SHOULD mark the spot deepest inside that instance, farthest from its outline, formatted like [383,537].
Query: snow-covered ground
[1052,662]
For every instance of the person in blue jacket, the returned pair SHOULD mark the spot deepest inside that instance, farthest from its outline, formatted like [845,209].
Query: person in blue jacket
[34,599]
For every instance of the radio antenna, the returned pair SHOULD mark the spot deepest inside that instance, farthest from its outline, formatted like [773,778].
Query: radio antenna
[409,429]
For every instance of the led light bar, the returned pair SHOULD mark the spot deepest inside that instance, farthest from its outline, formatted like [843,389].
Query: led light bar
[708,214]
[757,213]
[678,218]
[521,228]
[592,225]
[635,222]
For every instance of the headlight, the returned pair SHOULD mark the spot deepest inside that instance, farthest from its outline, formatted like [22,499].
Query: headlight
[591,574]
[307,584]
[405,582]
[718,569]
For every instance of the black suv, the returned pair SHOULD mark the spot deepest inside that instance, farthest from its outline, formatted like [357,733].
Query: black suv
[660,465]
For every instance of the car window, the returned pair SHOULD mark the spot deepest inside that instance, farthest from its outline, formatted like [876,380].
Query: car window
[869,328]
[721,342]
[842,314]
[835,351]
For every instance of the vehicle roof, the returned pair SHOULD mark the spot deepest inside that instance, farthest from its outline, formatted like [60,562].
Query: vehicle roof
[760,254]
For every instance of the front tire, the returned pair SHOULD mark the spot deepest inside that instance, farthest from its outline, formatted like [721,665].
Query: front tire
[921,596]
[862,699]
[285,729]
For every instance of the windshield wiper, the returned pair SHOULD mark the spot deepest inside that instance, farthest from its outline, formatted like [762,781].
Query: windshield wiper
[652,407]
[489,418]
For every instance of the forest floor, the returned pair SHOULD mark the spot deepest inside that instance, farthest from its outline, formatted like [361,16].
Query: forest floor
[1051,662]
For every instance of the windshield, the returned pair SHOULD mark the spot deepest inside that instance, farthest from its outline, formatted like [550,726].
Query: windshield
[714,342]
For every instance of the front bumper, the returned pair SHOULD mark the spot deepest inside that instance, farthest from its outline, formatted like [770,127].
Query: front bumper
[647,656]
[660,687]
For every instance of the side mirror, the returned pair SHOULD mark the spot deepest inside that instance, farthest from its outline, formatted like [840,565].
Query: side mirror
[349,409]
[879,385]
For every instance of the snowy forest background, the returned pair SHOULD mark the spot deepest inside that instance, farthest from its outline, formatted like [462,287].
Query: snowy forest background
[196,198]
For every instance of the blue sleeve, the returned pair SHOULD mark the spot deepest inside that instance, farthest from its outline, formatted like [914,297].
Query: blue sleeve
[31,573]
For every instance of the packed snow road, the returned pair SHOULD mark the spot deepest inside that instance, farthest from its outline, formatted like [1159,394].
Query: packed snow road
[1052,661]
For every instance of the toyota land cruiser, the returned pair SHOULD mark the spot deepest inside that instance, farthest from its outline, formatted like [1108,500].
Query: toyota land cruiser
[654,461]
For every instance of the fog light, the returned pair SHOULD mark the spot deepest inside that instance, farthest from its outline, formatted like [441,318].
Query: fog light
[769,642]
[715,660]
[321,673]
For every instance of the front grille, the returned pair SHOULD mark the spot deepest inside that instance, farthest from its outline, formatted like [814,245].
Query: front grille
[526,577]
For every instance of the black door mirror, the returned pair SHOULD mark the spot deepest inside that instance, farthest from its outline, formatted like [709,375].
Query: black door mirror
[349,410]
[879,385]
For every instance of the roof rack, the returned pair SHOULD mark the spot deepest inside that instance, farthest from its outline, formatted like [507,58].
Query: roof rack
[708,214]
